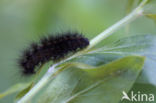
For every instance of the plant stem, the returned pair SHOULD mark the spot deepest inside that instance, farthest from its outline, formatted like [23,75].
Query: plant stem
[44,80]
[126,20]
[50,73]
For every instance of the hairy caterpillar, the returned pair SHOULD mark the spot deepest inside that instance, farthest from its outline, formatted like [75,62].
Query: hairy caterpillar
[52,48]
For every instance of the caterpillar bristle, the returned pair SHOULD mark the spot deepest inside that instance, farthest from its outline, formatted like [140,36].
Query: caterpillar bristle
[52,48]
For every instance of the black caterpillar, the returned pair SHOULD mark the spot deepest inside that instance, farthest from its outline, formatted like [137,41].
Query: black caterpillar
[52,48]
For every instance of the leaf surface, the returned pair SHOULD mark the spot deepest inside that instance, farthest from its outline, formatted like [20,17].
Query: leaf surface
[102,84]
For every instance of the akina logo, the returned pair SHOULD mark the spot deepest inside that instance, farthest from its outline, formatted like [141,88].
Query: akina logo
[138,97]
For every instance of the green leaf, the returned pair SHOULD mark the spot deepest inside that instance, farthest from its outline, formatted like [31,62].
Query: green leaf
[148,73]
[131,45]
[144,45]
[150,9]
[102,84]
[13,89]
[24,91]
[151,16]
[76,64]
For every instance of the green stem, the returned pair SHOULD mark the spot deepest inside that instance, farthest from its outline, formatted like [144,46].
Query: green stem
[126,20]
[50,73]
[44,80]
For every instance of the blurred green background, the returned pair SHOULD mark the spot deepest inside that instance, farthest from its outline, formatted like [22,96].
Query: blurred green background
[23,21]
